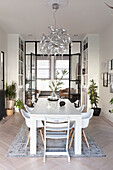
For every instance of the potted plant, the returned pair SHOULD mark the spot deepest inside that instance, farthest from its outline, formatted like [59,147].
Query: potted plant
[56,85]
[111,102]
[10,96]
[94,98]
[18,104]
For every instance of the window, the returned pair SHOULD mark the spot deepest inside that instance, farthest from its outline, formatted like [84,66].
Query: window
[61,64]
[43,68]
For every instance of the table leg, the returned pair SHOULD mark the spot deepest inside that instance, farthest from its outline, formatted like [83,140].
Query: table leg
[77,137]
[33,136]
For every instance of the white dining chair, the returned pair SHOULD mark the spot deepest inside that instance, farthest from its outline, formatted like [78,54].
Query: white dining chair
[56,128]
[28,109]
[86,116]
[80,109]
[85,122]
[39,124]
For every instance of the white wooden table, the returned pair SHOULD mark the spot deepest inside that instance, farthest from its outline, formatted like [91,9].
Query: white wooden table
[45,108]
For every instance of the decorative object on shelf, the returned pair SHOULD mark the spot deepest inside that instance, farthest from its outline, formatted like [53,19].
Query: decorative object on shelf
[94,98]
[56,85]
[57,42]
[111,102]
[18,104]
[10,96]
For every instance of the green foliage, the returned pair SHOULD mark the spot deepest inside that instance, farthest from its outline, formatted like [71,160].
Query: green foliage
[11,91]
[111,102]
[18,104]
[56,85]
[93,95]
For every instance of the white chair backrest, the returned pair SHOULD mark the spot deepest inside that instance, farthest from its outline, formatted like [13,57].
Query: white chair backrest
[86,117]
[56,124]
[29,109]
[27,117]
[81,108]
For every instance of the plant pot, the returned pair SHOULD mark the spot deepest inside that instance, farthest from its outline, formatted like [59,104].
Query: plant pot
[9,104]
[96,111]
[9,112]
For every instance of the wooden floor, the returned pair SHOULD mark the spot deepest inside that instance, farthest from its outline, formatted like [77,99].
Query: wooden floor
[99,129]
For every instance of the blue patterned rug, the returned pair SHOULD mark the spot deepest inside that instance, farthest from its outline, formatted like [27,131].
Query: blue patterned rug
[17,148]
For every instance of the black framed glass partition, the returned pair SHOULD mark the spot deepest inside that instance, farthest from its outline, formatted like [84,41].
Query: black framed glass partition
[46,67]
[30,81]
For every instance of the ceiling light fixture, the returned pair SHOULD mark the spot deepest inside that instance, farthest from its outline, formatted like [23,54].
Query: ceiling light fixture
[109,6]
[57,42]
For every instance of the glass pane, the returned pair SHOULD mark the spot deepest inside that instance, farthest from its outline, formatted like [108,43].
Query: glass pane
[43,69]
[28,67]
[43,85]
[60,73]
[42,74]
[74,67]
[61,65]
[38,49]
[42,64]
[33,67]
[75,48]
[30,47]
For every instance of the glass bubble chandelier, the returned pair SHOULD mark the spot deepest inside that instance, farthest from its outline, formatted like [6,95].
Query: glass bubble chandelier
[57,42]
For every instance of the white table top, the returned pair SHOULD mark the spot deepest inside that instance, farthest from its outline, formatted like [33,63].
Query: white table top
[45,107]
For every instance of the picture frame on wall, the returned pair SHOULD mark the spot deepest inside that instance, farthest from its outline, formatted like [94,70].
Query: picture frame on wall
[111,64]
[111,83]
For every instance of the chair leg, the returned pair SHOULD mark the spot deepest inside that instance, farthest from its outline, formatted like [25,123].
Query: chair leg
[71,139]
[70,133]
[84,135]
[41,132]
[27,140]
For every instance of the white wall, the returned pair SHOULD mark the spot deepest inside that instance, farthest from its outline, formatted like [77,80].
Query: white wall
[3,47]
[106,54]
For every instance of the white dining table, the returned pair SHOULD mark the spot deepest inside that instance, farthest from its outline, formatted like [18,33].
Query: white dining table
[45,108]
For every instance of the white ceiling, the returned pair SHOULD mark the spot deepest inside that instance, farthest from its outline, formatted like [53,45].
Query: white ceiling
[33,17]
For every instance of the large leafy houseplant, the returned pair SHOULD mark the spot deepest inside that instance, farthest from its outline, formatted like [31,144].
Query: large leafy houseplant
[56,85]
[10,96]
[94,97]
[11,91]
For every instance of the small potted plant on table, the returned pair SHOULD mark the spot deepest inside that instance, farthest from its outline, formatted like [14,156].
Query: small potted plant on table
[94,98]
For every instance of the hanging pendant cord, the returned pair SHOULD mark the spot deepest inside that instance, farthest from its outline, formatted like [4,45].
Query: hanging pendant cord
[54,16]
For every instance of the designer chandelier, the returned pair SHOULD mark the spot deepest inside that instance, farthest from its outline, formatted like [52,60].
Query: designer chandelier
[57,42]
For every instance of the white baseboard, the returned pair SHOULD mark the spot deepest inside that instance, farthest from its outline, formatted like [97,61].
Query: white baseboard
[108,116]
